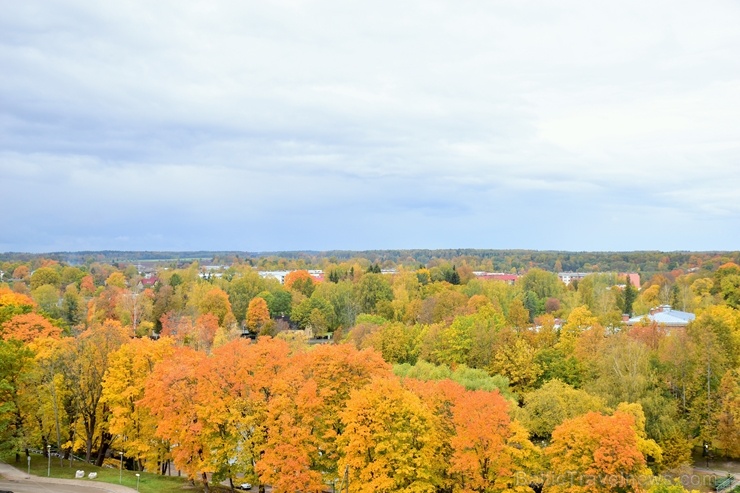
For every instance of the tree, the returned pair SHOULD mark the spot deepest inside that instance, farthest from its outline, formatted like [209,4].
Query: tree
[116,279]
[596,453]
[123,388]
[728,414]
[216,302]
[552,404]
[517,363]
[258,314]
[300,281]
[84,367]
[241,291]
[170,394]
[21,272]
[12,304]
[519,316]
[371,290]
[483,458]
[304,423]
[16,397]
[395,342]
[579,320]
[629,297]
[314,312]
[47,299]
[280,303]
[45,275]
[27,327]
[390,442]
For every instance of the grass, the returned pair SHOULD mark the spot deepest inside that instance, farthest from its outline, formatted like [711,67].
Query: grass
[148,482]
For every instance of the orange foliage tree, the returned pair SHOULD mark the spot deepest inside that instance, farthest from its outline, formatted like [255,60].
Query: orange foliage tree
[12,303]
[596,453]
[171,396]
[214,408]
[304,421]
[301,281]
[27,327]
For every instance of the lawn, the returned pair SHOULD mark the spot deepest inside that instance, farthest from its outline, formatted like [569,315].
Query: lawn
[148,483]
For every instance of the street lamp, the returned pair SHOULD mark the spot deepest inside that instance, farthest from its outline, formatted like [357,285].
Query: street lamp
[120,471]
[137,481]
[48,454]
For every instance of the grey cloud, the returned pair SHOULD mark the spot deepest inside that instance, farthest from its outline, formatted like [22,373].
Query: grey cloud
[419,124]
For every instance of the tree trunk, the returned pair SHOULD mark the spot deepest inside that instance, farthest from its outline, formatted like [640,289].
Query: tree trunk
[204,476]
[104,445]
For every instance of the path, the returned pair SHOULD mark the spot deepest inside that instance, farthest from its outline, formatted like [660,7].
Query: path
[19,481]
[720,474]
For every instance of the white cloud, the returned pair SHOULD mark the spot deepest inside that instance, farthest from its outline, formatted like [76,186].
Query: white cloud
[261,112]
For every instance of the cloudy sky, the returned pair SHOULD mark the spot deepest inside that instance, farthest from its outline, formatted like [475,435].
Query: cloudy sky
[289,125]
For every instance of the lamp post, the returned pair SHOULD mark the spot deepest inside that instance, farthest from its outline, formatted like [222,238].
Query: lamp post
[48,455]
[120,471]
[137,481]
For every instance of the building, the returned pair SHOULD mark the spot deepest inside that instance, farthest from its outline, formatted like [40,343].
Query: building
[318,275]
[664,315]
[496,276]
[569,277]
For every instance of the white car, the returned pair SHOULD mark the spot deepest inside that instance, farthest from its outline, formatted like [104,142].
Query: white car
[245,486]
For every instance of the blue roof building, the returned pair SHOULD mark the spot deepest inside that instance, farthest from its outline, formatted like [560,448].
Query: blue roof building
[664,315]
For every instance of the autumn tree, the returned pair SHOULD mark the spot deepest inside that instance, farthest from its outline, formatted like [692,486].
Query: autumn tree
[488,450]
[304,423]
[123,388]
[391,440]
[300,281]
[555,402]
[84,368]
[258,314]
[16,397]
[27,327]
[517,363]
[216,302]
[12,303]
[579,320]
[170,394]
[45,275]
[596,453]
[728,414]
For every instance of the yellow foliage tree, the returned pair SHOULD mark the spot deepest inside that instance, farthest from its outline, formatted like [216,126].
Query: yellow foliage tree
[123,387]
[258,314]
[390,442]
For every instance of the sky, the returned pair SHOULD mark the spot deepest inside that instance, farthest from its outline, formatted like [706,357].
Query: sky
[320,125]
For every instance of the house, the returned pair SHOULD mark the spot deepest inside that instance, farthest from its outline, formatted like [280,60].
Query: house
[664,315]
[317,275]
[569,277]
[496,276]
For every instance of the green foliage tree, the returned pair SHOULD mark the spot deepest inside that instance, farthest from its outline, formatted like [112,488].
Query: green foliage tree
[371,290]
[45,275]
[549,406]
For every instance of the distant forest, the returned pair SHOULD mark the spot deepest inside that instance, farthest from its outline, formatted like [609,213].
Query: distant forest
[509,261]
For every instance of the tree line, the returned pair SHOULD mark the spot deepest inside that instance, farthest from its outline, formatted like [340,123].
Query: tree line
[434,382]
